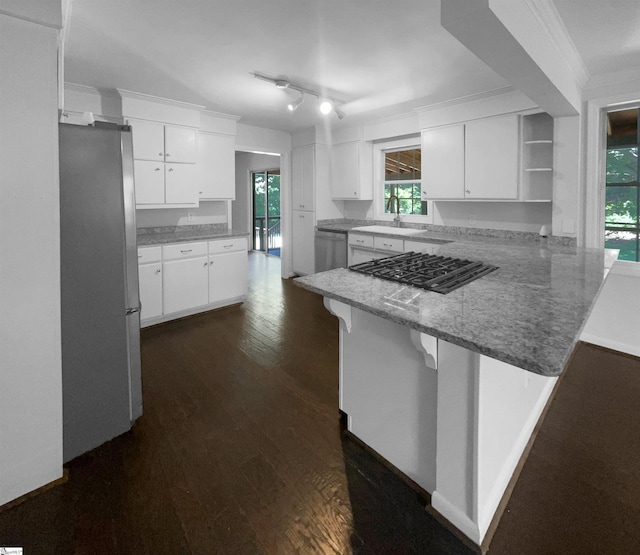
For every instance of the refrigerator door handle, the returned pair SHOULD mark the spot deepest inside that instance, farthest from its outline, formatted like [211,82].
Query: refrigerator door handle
[132,310]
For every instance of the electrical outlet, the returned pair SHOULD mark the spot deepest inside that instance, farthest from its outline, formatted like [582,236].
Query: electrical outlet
[472,219]
[191,216]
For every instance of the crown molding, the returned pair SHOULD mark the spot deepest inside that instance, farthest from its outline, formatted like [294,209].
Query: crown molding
[220,115]
[466,99]
[546,13]
[158,100]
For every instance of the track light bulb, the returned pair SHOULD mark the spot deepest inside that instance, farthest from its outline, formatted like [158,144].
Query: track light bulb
[326,106]
[293,105]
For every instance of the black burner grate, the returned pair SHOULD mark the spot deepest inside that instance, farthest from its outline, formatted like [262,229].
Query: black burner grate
[441,274]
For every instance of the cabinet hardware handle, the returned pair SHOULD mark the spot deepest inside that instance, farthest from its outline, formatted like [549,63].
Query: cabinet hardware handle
[167,155]
[467,191]
[205,263]
[227,246]
[170,169]
[199,192]
[387,244]
[160,153]
[186,251]
[157,169]
[139,256]
[359,240]
[158,271]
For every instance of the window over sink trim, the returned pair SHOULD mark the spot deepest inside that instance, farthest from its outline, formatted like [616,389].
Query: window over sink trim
[383,185]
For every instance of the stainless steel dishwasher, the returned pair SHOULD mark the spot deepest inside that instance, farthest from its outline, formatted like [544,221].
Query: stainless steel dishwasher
[331,249]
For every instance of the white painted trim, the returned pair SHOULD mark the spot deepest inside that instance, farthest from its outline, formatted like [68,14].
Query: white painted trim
[549,19]
[465,99]
[212,114]
[592,226]
[456,517]
[427,345]
[158,100]
[488,509]
[341,310]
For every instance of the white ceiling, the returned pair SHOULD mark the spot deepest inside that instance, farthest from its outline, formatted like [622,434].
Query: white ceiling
[381,57]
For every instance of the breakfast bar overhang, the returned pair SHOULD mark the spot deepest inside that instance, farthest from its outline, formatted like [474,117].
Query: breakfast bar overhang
[449,388]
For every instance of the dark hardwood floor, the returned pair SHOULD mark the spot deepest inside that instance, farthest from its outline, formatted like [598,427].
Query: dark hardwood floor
[240,450]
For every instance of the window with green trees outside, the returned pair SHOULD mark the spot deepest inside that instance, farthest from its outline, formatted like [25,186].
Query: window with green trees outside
[402,174]
[622,194]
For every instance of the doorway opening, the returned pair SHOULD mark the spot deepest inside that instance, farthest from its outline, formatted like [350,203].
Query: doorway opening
[622,186]
[266,211]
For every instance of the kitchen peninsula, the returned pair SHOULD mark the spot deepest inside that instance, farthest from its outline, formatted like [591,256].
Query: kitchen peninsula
[449,387]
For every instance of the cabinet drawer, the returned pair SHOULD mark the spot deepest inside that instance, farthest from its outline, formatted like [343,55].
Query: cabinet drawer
[358,240]
[419,246]
[149,254]
[388,244]
[184,250]
[228,245]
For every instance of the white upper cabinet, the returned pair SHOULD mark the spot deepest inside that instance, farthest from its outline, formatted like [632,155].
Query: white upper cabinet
[180,144]
[491,158]
[180,184]
[475,161]
[443,163]
[157,141]
[352,171]
[148,140]
[216,167]
[303,178]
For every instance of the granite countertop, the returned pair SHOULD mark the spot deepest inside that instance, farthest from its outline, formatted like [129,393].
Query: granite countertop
[180,234]
[529,313]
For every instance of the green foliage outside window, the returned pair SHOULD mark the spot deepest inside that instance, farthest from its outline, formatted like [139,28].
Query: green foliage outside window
[409,195]
[622,197]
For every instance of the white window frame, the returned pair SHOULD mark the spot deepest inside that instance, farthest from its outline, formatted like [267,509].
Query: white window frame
[379,150]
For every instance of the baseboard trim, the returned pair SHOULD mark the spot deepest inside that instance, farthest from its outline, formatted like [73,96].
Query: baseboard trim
[19,500]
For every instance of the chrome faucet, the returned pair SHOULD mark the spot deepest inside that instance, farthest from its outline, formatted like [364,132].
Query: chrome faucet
[397,218]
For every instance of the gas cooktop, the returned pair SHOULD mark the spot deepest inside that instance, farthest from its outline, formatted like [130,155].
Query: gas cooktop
[441,274]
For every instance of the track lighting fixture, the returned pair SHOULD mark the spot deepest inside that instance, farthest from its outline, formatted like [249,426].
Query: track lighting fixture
[326,104]
[293,105]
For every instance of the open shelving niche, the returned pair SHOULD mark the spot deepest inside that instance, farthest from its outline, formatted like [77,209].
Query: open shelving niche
[537,157]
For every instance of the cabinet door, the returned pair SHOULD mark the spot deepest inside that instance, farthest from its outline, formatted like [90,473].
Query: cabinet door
[303,178]
[228,276]
[303,248]
[181,186]
[491,158]
[443,169]
[352,171]
[148,140]
[150,278]
[216,166]
[180,144]
[185,284]
[149,182]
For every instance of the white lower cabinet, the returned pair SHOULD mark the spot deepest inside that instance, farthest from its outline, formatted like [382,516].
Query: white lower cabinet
[150,281]
[303,248]
[184,278]
[186,284]
[228,271]
[150,278]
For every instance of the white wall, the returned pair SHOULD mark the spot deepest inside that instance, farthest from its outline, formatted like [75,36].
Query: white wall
[209,212]
[30,350]
[246,162]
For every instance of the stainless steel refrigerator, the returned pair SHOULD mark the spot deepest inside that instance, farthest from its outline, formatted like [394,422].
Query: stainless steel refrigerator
[102,386]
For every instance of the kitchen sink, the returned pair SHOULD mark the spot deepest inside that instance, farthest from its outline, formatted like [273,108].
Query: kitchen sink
[388,229]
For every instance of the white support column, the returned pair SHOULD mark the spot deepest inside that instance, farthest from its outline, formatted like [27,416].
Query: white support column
[487,411]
